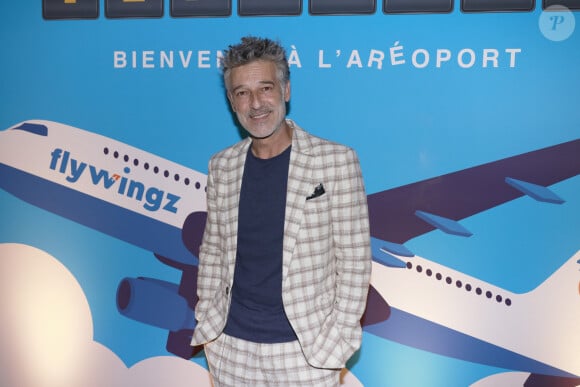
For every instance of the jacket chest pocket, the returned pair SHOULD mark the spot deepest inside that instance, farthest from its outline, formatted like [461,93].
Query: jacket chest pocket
[317,213]
[315,239]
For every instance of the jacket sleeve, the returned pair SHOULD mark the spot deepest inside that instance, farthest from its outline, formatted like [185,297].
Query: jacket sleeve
[351,238]
[210,265]
[332,333]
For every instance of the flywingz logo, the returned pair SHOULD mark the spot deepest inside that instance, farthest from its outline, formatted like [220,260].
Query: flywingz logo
[152,198]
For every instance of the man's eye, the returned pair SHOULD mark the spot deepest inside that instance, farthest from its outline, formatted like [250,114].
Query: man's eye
[241,93]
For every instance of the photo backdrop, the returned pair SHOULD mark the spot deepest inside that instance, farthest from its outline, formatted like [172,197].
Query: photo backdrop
[466,122]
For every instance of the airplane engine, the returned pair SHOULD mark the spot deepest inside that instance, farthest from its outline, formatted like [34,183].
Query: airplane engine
[154,302]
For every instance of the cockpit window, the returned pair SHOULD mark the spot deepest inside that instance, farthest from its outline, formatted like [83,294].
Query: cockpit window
[38,129]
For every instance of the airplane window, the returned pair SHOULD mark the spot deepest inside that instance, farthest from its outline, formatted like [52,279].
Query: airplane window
[177,177]
[458,283]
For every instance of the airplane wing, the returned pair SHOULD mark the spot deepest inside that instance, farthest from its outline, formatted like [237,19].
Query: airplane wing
[398,215]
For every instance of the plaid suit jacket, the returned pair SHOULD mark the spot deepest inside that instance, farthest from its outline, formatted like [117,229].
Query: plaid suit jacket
[326,247]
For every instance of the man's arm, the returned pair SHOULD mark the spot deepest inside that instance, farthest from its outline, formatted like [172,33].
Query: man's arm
[351,239]
[210,255]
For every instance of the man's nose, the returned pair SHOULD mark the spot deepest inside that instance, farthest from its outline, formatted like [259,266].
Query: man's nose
[255,100]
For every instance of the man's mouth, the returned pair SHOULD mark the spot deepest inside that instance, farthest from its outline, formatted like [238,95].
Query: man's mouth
[259,114]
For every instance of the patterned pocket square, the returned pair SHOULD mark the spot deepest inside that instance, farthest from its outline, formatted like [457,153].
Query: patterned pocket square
[318,191]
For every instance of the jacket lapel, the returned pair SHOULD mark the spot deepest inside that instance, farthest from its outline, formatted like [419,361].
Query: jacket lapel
[234,177]
[299,186]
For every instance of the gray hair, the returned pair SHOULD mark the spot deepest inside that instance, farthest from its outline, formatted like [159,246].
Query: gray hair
[251,49]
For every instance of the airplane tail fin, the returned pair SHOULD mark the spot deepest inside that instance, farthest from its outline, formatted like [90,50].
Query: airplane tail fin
[555,307]
[564,283]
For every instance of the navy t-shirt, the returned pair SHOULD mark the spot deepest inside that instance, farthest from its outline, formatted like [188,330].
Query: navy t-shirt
[257,312]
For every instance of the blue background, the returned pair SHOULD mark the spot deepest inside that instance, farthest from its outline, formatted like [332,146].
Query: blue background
[406,123]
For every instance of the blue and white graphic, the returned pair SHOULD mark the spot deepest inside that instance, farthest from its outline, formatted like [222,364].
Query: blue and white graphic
[466,123]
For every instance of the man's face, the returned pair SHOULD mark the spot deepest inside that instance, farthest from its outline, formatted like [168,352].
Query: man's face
[257,98]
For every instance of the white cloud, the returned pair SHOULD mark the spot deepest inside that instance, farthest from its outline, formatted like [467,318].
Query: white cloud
[46,333]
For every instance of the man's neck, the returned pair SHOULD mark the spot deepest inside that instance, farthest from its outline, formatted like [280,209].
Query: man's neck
[272,146]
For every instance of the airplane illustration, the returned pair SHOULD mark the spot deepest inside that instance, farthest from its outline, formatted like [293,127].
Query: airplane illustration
[159,205]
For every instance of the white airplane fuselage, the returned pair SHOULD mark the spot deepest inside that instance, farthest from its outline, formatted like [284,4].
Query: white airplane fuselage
[105,184]
[538,331]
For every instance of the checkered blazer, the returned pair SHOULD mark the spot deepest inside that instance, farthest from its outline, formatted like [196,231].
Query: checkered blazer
[326,249]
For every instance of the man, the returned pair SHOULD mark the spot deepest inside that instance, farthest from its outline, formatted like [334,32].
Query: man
[285,261]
